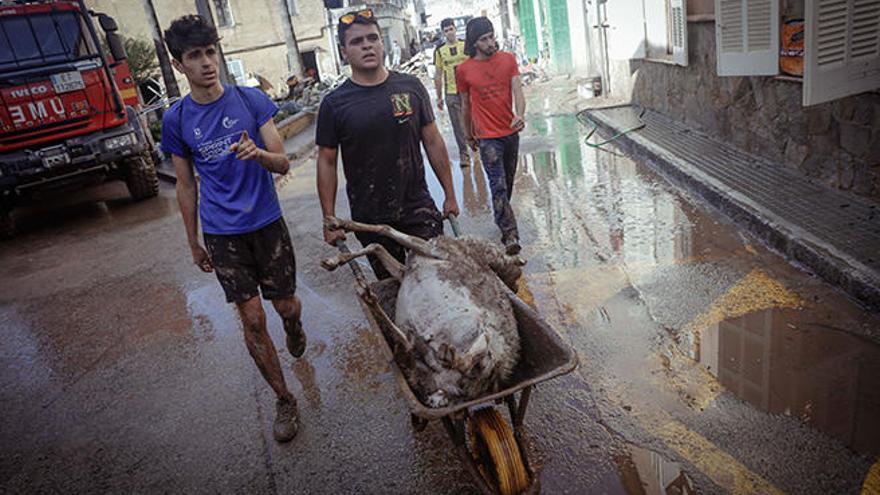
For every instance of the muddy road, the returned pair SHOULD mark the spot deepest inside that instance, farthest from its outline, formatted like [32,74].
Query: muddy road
[708,363]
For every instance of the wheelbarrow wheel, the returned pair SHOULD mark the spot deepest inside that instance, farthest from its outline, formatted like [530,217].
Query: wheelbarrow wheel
[496,453]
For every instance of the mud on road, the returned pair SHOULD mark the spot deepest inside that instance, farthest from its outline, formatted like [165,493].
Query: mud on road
[707,361]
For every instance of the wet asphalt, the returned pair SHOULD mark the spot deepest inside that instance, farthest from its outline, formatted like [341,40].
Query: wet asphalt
[708,363]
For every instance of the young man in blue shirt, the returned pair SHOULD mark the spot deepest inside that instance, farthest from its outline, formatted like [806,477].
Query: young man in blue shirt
[228,134]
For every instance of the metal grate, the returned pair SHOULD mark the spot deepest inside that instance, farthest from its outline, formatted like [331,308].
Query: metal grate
[843,220]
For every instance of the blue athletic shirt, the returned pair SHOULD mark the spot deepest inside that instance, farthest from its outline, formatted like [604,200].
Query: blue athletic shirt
[235,196]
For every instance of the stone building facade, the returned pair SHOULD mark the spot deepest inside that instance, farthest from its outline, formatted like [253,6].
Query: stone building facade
[253,36]
[252,33]
[835,143]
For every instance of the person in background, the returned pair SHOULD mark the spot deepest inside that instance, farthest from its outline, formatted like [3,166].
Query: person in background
[493,107]
[446,59]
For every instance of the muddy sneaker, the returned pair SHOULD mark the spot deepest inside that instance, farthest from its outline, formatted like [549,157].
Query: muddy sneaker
[511,245]
[286,420]
[296,339]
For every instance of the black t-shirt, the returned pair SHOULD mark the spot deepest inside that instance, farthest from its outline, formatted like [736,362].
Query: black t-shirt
[379,129]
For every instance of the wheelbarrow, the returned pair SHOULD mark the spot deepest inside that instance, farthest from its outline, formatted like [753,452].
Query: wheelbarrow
[494,454]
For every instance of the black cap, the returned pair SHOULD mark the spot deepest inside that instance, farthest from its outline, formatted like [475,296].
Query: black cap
[476,27]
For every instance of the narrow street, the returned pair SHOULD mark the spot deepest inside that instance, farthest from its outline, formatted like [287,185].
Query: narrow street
[707,362]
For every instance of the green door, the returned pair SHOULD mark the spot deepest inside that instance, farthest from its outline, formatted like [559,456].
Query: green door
[560,40]
[528,27]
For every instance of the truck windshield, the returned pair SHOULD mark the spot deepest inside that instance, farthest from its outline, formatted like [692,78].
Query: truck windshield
[34,40]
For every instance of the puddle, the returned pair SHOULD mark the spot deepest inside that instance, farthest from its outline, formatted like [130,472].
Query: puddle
[645,472]
[783,364]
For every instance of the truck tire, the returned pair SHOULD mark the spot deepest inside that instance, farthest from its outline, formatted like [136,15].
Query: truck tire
[140,177]
[7,225]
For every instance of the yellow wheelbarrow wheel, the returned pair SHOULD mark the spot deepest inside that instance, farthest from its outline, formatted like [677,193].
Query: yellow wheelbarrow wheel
[496,452]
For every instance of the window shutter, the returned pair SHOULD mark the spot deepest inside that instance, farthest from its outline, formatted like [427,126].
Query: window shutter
[626,31]
[747,37]
[842,50]
[678,28]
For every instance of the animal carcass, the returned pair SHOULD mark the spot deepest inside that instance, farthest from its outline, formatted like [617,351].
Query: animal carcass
[453,315]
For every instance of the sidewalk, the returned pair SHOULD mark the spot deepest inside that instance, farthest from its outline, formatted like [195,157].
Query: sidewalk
[832,233]
[299,139]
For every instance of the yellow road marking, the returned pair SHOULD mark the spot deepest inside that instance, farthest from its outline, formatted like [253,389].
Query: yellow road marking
[872,481]
[755,292]
[587,288]
[719,466]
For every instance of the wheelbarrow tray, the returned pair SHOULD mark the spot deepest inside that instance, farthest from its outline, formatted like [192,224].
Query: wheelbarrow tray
[543,354]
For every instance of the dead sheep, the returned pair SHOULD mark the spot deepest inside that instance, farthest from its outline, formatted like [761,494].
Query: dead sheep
[453,314]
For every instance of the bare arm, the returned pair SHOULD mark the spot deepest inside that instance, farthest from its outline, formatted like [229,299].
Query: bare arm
[438,83]
[188,200]
[519,103]
[327,183]
[466,119]
[439,159]
[273,158]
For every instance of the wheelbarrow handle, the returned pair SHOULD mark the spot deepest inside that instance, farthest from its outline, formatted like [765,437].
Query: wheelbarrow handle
[355,268]
[453,222]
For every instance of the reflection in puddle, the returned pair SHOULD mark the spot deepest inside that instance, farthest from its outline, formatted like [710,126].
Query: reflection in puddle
[644,472]
[782,365]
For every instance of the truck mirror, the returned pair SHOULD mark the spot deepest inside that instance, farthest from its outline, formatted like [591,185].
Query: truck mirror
[117,50]
[108,24]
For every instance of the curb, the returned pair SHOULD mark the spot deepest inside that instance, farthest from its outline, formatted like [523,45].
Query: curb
[810,252]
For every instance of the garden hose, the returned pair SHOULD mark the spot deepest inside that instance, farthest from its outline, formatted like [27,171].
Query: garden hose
[595,128]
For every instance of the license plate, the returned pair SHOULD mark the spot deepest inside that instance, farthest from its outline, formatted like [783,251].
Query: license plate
[55,159]
[67,81]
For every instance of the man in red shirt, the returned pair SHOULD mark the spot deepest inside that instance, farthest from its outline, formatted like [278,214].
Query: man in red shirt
[492,109]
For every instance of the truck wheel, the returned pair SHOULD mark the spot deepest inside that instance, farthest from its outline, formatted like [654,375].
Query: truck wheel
[140,177]
[7,225]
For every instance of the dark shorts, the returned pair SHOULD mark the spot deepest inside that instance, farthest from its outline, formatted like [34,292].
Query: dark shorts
[425,223]
[258,261]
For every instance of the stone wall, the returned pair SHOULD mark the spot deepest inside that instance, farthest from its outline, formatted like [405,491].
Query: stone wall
[256,37]
[836,143]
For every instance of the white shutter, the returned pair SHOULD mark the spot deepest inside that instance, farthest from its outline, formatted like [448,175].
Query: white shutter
[678,28]
[626,32]
[747,37]
[842,50]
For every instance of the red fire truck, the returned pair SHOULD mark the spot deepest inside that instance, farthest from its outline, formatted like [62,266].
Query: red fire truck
[68,110]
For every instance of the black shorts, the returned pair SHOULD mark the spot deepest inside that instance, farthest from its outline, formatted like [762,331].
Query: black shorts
[262,259]
[425,223]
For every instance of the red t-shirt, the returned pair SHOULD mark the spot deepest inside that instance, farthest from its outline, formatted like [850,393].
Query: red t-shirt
[487,83]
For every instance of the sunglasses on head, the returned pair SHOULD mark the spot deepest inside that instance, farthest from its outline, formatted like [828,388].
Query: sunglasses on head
[351,16]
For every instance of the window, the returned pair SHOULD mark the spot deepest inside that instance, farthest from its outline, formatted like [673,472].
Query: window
[650,29]
[43,39]
[236,70]
[666,31]
[223,12]
[292,8]
[747,37]
[841,49]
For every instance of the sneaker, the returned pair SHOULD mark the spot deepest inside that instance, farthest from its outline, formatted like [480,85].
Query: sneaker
[296,339]
[511,244]
[286,420]
[465,161]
